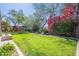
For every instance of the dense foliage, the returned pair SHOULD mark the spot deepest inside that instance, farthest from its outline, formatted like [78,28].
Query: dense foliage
[65,28]
[7,50]
[38,20]
[63,24]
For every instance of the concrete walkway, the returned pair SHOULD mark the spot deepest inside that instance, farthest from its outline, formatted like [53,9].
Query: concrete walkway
[16,47]
[77,50]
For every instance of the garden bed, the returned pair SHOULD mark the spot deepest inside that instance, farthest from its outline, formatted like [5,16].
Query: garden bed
[9,48]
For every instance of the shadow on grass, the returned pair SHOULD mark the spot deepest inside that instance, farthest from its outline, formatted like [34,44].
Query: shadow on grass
[69,41]
[19,33]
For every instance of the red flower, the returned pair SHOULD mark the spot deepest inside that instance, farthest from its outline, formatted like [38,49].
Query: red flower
[63,17]
[49,22]
[58,18]
[68,11]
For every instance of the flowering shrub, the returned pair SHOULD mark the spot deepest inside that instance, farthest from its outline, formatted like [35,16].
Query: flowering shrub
[67,27]
[62,25]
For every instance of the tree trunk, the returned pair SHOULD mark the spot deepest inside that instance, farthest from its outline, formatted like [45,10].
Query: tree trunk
[43,25]
[77,32]
[0,22]
[77,16]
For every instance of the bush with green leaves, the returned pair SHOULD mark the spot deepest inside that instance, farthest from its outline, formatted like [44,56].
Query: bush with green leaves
[44,31]
[66,27]
[7,50]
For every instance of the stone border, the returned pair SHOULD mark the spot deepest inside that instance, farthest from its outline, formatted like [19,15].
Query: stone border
[77,49]
[17,49]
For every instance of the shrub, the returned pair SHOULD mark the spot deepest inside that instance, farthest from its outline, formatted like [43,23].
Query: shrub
[7,50]
[44,31]
[66,28]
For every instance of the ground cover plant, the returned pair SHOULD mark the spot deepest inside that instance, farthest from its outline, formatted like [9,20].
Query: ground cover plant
[7,50]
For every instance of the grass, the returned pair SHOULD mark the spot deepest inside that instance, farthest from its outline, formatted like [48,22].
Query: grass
[41,45]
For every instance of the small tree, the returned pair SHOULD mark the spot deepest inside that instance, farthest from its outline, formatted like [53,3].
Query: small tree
[5,26]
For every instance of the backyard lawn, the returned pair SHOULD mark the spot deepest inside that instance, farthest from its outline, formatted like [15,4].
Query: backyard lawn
[41,45]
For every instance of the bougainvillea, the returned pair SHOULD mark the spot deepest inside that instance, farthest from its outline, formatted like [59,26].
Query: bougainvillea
[63,17]
[58,18]
[68,11]
[49,22]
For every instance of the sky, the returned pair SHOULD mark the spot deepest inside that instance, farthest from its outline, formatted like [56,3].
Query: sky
[27,8]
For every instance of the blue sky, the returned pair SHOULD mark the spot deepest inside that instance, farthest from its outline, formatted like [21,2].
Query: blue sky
[27,8]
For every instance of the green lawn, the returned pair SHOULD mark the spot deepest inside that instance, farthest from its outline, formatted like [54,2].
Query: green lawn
[40,45]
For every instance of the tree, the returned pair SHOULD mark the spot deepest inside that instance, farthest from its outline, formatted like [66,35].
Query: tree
[66,22]
[5,26]
[1,16]
[17,17]
[33,23]
[76,13]
[27,24]
[44,10]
